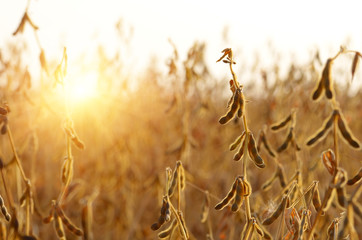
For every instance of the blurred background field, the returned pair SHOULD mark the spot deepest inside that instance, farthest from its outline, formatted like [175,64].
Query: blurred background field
[133,109]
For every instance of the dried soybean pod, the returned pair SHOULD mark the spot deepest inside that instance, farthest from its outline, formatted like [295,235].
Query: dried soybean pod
[317,200]
[268,183]
[78,143]
[58,226]
[329,161]
[49,218]
[341,197]
[241,109]
[267,146]
[167,232]
[285,144]
[332,228]
[246,187]
[277,212]
[228,197]
[342,178]
[330,196]
[324,130]
[356,178]
[205,207]
[226,51]
[309,192]
[31,22]
[21,26]
[282,124]
[241,150]
[4,211]
[355,63]
[182,225]
[232,110]
[237,141]
[303,223]
[253,152]
[317,92]
[182,175]
[346,133]
[172,187]
[68,224]
[258,229]
[281,176]
[327,78]
[165,209]
[238,200]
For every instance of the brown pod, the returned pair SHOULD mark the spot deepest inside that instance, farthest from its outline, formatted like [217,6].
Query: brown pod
[259,230]
[329,161]
[327,78]
[233,109]
[4,210]
[346,133]
[238,200]
[317,92]
[281,176]
[267,146]
[172,187]
[332,228]
[341,197]
[182,175]
[228,197]
[226,51]
[241,109]
[282,123]
[277,212]
[324,130]
[58,226]
[21,26]
[268,183]
[167,232]
[285,144]
[356,178]
[237,142]
[49,218]
[355,63]
[253,152]
[31,22]
[241,150]
[165,214]
[68,224]
[317,200]
[182,225]
[329,196]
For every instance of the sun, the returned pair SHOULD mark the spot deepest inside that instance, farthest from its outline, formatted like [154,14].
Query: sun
[83,88]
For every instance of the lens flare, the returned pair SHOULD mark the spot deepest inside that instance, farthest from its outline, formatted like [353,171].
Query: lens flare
[83,88]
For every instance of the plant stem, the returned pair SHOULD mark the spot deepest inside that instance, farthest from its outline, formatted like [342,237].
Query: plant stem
[16,155]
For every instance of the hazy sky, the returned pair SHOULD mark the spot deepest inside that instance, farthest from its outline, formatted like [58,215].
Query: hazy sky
[296,26]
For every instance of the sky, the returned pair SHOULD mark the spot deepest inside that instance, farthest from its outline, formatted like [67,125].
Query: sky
[295,27]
